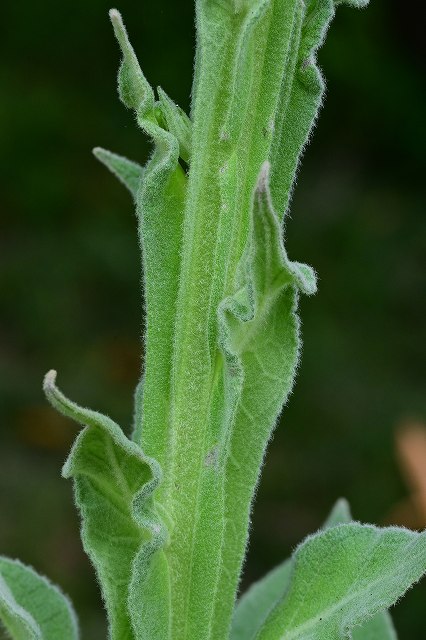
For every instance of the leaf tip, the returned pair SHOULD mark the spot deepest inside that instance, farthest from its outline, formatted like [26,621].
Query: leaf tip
[49,382]
[342,503]
[115,16]
[118,26]
[101,154]
[98,152]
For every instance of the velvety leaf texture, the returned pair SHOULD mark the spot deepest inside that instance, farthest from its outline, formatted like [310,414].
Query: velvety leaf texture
[301,94]
[259,336]
[342,577]
[31,607]
[254,607]
[256,604]
[121,530]
[177,122]
[160,202]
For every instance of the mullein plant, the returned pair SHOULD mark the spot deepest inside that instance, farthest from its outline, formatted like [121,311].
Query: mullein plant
[165,513]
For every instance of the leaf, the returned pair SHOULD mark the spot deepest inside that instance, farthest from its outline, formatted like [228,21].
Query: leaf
[259,332]
[244,55]
[301,95]
[342,577]
[255,605]
[134,90]
[160,202]
[177,122]
[114,482]
[380,627]
[142,599]
[31,607]
[128,172]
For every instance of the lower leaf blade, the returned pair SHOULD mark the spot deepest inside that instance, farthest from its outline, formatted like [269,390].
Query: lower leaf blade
[344,576]
[255,605]
[31,607]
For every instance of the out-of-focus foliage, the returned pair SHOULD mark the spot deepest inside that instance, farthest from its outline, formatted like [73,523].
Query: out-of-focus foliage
[70,275]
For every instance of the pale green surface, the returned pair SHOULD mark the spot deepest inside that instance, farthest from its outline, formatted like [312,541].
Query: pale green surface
[114,482]
[160,202]
[32,608]
[343,576]
[301,94]
[257,603]
[177,122]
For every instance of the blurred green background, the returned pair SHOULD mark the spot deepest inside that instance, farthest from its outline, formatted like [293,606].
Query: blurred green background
[70,274]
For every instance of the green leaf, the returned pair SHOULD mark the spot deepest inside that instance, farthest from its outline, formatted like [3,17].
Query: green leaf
[128,172]
[255,605]
[31,607]
[245,64]
[177,122]
[121,528]
[160,204]
[380,627]
[301,95]
[134,90]
[344,576]
[260,341]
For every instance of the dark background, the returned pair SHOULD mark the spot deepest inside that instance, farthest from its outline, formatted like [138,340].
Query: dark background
[70,273]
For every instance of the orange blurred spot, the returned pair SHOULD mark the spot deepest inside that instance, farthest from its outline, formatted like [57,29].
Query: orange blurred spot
[411,451]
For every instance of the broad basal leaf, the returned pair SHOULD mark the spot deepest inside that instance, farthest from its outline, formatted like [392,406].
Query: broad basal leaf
[254,606]
[114,482]
[31,607]
[257,603]
[342,577]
